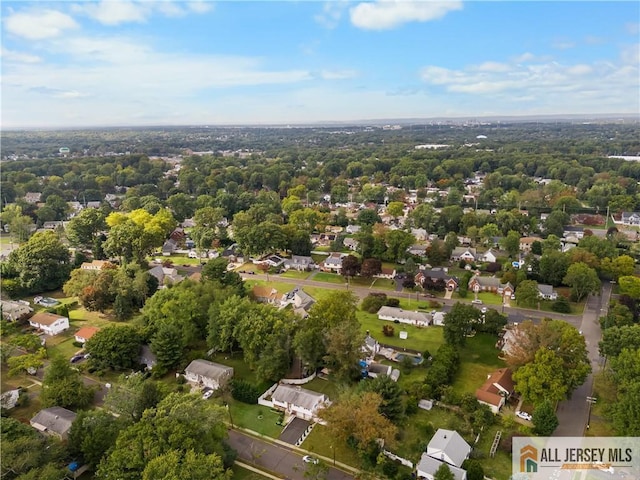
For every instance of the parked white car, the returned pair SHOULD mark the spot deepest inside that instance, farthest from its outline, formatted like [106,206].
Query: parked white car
[524,415]
[310,459]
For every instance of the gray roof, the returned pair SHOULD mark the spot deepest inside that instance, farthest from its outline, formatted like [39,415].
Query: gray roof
[545,289]
[450,443]
[400,313]
[298,396]
[208,369]
[54,419]
[430,465]
[334,259]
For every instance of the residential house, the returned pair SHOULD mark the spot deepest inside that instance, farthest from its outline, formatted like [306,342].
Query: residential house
[169,247]
[496,390]
[323,239]
[265,294]
[386,272]
[353,229]
[446,446]
[9,399]
[52,225]
[55,421]
[298,401]
[572,231]
[490,284]
[94,204]
[428,277]
[438,318]
[490,256]
[208,374]
[165,275]
[299,262]
[371,345]
[394,314]
[32,197]
[233,254]
[375,370]
[300,300]
[527,242]
[547,292]
[15,310]
[274,261]
[467,254]
[630,219]
[49,323]
[333,263]
[420,234]
[418,250]
[95,265]
[85,333]
[351,243]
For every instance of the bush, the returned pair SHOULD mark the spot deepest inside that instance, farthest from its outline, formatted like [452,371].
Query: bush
[392,302]
[493,267]
[244,392]
[389,467]
[373,302]
[78,344]
[561,305]
[388,330]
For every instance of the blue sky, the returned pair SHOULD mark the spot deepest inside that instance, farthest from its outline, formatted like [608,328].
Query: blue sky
[77,63]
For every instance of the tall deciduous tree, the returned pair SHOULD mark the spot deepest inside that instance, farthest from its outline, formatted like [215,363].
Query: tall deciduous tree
[630,285]
[620,266]
[85,227]
[615,339]
[458,323]
[358,416]
[527,293]
[42,264]
[390,392]
[92,434]
[63,387]
[545,420]
[582,279]
[542,379]
[115,347]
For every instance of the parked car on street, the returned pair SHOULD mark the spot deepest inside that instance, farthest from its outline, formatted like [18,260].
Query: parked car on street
[310,459]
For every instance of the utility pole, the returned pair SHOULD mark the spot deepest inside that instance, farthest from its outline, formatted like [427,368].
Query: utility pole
[590,401]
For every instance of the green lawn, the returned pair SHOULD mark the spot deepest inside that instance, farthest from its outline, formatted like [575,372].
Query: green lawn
[240,473]
[321,442]
[295,274]
[321,385]
[255,417]
[241,369]
[329,278]
[427,338]
[281,287]
[478,358]
[605,392]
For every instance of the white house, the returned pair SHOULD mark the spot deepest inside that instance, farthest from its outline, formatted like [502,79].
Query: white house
[351,243]
[353,229]
[547,292]
[49,323]
[630,218]
[488,256]
[393,314]
[96,265]
[446,446]
[463,253]
[298,401]
[13,311]
[333,263]
[299,262]
[208,374]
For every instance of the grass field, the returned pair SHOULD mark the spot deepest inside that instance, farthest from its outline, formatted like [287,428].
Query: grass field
[320,385]
[255,417]
[322,443]
[427,338]
[330,278]
[240,473]
[295,274]
[478,358]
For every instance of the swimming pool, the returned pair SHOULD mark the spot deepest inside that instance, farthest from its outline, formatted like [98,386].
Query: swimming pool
[417,360]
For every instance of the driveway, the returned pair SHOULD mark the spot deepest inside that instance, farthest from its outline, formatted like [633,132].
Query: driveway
[275,458]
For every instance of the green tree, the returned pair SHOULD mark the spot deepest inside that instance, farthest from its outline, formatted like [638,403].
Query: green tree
[474,470]
[553,267]
[62,386]
[458,323]
[630,285]
[542,379]
[177,465]
[78,281]
[395,209]
[168,346]
[620,266]
[443,473]
[615,339]
[545,420]
[398,242]
[84,228]
[115,348]
[527,293]
[358,416]
[625,413]
[43,263]
[29,363]
[350,266]
[92,434]
[131,395]
[19,224]
[390,392]
[179,422]
[370,267]
[368,217]
[182,205]
[582,279]
[511,243]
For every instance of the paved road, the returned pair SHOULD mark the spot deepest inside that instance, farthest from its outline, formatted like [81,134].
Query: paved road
[573,413]
[275,458]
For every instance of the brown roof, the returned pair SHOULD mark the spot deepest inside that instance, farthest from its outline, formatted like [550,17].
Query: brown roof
[260,291]
[491,394]
[87,332]
[45,318]
[530,239]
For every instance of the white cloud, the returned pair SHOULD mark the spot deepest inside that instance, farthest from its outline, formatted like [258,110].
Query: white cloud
[493,67]
[38,24]
[579,69]
[19,57]
[630,54]
[200,6]
[388,14]
[338,74]
[331,13]
[110,12]
[632,28]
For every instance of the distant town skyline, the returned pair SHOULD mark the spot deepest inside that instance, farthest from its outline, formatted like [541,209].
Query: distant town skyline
[112,63]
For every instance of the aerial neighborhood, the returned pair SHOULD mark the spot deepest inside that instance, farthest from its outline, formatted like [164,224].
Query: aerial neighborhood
[353,296]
